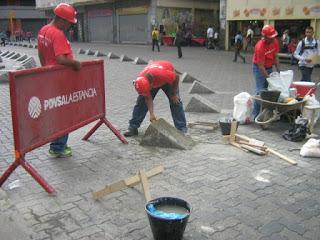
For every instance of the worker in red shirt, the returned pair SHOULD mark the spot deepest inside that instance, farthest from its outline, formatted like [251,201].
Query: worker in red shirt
[264,57]
[157,75]
[55,49]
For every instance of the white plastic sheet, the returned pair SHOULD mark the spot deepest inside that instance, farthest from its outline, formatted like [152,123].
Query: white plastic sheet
[281,82]
[243,106]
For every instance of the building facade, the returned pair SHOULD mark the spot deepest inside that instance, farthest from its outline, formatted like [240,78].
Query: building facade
[293,15]
[17,15]
[127,21]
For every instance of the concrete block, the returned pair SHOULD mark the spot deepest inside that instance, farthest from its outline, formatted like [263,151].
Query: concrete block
[15,56]
[20,44]
[3,54]
[200,104]
[25,45]
[10,54]
[89,52]
[139,61]
[1,59]
[81,51]
[30,46]
[22,58]
[111,55]
[162,134]
[29,63]
[35,46]
[186,78]
[15,44]
[198,87]
[99,54]
[125,58]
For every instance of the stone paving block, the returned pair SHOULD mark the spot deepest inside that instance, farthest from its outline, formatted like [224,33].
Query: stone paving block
[187,78]
[4,77]
[2,66]
[139,61]
[125,58]
[15,44]
[99,54]
[200,88]
[81,51]
[30,46]
[25,45]
[111,55]
[22,58]
[162,134]
[35,46]
[20,44]
[15,56]
[1,59]
[89,52]
[200,104]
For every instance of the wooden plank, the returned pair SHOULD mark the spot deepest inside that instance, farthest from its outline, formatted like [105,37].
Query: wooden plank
[252,149]
[233,131]
[238,146]
[282,156]
[113,187]
[145,185]
[128,182]
[134,180]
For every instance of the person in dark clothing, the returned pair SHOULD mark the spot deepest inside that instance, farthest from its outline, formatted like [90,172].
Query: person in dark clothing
[188,37]
[238,44]
[178,41]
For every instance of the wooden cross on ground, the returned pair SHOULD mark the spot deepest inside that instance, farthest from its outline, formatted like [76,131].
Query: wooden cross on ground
[142,177]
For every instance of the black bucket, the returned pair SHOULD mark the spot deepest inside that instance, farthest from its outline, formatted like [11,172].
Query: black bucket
[164,228]
[225,126]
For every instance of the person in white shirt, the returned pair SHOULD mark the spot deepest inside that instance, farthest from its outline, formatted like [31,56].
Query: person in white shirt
[210,33]
[306,48]
[249,37]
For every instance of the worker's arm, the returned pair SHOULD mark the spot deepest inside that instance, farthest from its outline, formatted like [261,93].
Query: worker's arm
[277,64]
[263,70]
[149,102]
[63,60]
[41,58]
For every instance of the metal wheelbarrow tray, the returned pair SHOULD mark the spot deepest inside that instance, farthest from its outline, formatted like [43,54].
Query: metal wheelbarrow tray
[272,111]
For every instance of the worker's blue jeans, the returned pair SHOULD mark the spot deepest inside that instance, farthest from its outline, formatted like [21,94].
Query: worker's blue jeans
[59,144]
[140,110]
[261,83]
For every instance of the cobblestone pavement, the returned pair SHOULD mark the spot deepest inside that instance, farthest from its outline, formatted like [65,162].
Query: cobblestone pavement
[233,194]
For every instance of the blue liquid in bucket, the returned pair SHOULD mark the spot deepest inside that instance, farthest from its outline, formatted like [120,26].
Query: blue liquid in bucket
[167,211]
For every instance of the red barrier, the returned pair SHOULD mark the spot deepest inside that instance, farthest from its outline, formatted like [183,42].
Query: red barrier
[49,102]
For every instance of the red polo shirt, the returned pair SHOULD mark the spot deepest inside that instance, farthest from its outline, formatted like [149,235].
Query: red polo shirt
[265,53]
[162,72]
[53,43]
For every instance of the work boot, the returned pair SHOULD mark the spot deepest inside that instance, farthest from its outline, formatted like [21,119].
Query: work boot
[131,132]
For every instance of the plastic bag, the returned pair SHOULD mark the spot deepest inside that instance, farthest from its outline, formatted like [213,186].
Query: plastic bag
[281,82]
[311,148]
[243,106]
[311,102]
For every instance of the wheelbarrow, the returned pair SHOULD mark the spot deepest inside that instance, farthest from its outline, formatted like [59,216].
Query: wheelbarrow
[272,111]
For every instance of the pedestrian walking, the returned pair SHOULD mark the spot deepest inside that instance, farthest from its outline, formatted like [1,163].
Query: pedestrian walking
[3,37]
[285,41]
[210,34]
[157,75]
[307,47]
[264,57]
[178,41]
[55,49]
[249,38]
[238,44]
[29,35]
[155,38]
[188,37]
[216,40]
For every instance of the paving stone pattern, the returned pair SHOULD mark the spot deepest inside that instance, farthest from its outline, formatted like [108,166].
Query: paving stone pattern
[233,194]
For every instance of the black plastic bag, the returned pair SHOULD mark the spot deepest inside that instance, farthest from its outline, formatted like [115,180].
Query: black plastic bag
[299,131]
